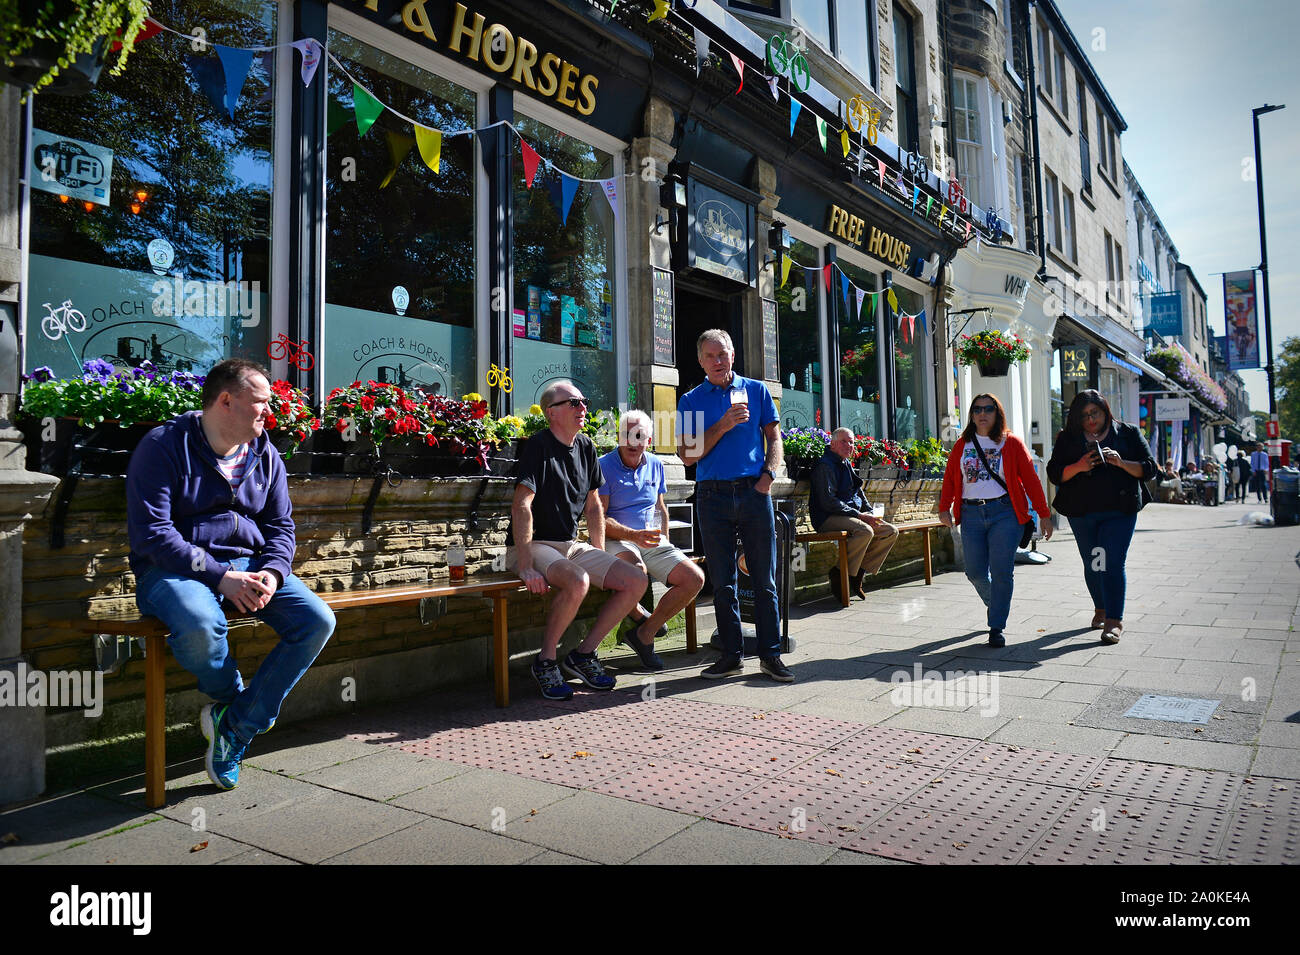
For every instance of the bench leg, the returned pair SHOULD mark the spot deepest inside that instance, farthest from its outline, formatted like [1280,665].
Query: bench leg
[155,723]
[929,574]
[691,642]
[500,650]
[844,571]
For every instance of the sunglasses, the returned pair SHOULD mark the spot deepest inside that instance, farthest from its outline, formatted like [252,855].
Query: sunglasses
[572,403]
[983,409]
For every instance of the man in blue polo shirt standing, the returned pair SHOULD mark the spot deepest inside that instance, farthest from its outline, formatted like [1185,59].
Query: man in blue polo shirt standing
[729,429]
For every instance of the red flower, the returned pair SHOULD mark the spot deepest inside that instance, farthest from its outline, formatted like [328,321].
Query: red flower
[302,435]
[367,403]
[410,424]
[390,413]
[341,425]
[407,405]
[315,423]
[271,422]
[430,440]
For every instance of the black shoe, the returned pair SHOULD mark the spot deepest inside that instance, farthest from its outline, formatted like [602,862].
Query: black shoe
[856,588]
[729,664]
[836,590]
[777,670]
[646,654]
[996,639]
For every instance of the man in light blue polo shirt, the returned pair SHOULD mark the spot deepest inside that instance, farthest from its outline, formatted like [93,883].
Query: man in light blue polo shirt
[729,429]
[636,531]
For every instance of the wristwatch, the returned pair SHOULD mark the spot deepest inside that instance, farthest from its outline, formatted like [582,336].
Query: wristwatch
[768,472]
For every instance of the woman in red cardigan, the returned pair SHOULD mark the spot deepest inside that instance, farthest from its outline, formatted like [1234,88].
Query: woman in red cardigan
[984,491]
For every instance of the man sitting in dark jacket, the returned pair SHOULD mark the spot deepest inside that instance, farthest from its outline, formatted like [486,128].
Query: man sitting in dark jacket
[209,520]
[836,504]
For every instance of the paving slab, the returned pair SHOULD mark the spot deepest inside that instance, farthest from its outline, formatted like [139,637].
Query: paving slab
[712,843]
[1181,752]
[384,775]
[438,842]
[601,828]
[154,841]
[56,823]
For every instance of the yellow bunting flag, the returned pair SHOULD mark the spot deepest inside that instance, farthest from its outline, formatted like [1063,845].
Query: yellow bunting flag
[660,11]
[785,269]
[430,143]
[399,144]
[844,141]
[943,211]
[891,298]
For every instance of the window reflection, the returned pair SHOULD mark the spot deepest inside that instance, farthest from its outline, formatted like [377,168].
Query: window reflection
[400,252]
[168,255]
[798,307]
[563,323]
[859,364]
[909,367]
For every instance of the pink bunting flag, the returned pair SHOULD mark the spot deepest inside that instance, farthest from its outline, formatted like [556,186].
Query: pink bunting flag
[740,69]
[610,188]
[531,159]
[967,235]
[771,84]
[882,172]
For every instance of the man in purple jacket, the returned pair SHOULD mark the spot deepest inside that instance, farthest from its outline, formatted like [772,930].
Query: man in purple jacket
[210,523]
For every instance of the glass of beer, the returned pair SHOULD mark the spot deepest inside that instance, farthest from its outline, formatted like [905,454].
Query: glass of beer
[739,396]
[456,562]
[654,523]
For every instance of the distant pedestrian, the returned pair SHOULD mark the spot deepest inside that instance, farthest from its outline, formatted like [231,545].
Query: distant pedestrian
[1259,474]
[1100,467]
[1240,475]
[985,486]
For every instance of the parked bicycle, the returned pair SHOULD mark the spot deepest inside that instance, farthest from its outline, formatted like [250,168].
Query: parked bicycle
[63,319]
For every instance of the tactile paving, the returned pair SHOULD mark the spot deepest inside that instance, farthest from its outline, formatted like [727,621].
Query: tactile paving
[1055,848]
[1262,794]
[746,754]
[1195,787]
[976,794]
[914,834]
[795,727]
[1262,838]
[803,812]
[476,746]
[904,746]
[1031,765]
[683,787]
[1131,821]
[577,768]
[868,775]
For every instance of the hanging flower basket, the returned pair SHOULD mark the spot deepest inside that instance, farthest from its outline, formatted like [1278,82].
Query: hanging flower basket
[991,350]
[62,45]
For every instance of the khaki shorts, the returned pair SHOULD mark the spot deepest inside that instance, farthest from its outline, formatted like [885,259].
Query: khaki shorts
[595,562]
[659,561]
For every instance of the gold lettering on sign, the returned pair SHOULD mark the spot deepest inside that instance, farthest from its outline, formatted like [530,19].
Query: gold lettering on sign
[587,95]
[524,62]
[508,51]
[459,31]
[416,19]
[549,62]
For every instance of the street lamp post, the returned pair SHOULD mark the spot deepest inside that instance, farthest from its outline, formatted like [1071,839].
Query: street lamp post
[1263,257]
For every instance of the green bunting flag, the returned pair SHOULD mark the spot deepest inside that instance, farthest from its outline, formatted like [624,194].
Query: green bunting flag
[336,115]
[821,132]
[366,107]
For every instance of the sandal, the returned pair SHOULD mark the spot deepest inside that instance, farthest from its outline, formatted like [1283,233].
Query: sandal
[1112,632]
[1098,620]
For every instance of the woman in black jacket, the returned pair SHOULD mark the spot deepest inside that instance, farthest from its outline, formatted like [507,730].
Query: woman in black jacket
[1099,466]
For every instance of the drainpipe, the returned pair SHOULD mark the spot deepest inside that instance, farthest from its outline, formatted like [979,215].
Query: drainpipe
[1033,121]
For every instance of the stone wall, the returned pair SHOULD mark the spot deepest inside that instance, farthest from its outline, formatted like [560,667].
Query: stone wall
[386,652]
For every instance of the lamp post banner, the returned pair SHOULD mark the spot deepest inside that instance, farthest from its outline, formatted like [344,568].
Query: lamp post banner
[1242,318]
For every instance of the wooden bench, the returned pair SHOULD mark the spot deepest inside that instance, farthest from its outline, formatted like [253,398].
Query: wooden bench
[154,632]
[842,538]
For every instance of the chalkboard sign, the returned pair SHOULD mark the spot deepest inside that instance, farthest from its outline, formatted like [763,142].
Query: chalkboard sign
[665,353]
[771,369]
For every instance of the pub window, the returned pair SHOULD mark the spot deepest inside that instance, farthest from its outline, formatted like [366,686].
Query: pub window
[564,270]
[910,379]
[798,307]
[155,223]
[399,270]
[859,362]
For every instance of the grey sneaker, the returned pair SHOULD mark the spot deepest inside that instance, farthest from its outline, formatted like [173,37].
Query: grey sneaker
[589,670]
[551,681]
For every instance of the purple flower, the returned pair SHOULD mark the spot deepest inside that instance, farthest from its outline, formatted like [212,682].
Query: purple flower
[44,373]
[125,386]
[99,368]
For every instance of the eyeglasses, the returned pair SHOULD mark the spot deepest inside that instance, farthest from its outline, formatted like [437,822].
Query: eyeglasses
[1093,413]
[572,403]
[983,409]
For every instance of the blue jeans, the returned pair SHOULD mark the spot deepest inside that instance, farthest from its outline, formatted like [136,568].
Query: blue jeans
[990,534]
[1103,539]
[725,509]
[194,615]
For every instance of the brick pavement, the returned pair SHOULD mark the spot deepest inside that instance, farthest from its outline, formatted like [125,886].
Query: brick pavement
[847,765]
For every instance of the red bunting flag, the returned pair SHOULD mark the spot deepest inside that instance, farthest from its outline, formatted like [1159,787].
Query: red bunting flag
[150,28]
[530,162]
[826,275]
[740,69]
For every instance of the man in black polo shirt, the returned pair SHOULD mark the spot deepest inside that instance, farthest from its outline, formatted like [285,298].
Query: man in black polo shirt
[556,480]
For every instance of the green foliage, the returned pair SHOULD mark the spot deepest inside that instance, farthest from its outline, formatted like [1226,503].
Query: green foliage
[103,393]
[990,344]
[1286,374]
[75,27]
[925,453]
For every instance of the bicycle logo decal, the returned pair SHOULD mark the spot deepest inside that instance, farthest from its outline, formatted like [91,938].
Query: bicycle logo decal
[784,58]
[63,319]
[497,376]
[916,166]
[294,352]
[859,112]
